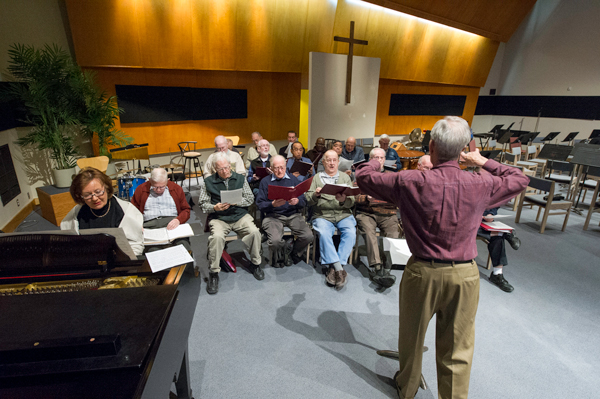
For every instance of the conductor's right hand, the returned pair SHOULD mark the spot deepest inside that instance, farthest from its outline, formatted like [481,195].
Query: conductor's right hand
[221,207]
[473,158]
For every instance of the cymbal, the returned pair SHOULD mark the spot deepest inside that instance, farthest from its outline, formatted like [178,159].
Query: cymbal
[172,166]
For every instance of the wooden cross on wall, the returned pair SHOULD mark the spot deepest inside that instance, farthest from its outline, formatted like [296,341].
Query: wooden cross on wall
[351,41]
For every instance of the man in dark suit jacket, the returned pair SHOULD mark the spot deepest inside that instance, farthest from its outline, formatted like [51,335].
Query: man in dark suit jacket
[284,151]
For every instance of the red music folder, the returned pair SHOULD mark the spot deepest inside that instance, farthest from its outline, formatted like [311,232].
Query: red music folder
[334,189]
[287,193]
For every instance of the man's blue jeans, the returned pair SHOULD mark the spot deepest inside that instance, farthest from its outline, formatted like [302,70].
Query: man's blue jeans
[325,229]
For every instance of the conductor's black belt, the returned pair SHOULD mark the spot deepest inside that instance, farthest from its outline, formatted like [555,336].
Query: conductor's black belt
[442,261]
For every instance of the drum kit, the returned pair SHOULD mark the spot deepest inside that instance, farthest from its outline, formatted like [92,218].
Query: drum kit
[128,180]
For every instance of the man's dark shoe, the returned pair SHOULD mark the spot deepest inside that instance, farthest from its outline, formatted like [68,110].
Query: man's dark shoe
[287,254]
[373,272]
[277,259]
[213,283]
[499,281]
[385,279]
[297,258]
[257,272]
[513,240]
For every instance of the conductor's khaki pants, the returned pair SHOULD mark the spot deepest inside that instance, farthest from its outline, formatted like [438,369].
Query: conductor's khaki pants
[451,292]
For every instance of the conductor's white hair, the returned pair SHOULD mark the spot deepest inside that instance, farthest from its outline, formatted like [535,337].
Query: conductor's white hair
[450,135]
[158,175]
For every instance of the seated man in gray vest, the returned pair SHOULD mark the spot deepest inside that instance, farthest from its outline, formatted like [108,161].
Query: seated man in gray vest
[370,215]
[224,217]
[280,213]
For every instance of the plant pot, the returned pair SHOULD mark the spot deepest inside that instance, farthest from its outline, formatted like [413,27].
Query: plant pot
[63,177]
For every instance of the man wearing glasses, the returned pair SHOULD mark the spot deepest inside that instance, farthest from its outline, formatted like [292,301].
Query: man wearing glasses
[163,204]
[224,217]
[280,213]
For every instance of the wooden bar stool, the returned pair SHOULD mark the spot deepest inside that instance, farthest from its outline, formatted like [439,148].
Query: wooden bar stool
[190,157]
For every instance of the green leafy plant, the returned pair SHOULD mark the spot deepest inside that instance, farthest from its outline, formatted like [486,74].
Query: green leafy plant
[60,101]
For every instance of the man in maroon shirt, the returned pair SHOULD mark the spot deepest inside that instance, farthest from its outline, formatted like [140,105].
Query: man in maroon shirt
[441,211]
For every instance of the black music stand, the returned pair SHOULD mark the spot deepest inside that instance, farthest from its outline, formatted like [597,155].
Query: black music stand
[425,142]
[551,136]
[595,133]
[570,137]
[490,154]
[585,155]
[504,138]
[555,152]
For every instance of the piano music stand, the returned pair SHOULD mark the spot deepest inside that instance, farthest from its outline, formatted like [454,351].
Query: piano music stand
[570,137]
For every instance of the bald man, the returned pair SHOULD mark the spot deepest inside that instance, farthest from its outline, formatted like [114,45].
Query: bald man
[331,212]
[425,163]
[221,145]
[352,152]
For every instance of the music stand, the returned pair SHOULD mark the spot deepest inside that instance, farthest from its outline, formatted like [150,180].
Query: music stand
[570,137]
[595,133]
[585,155]
[504,138]
[550,136]
[425,142]
[490,154]
[496,128]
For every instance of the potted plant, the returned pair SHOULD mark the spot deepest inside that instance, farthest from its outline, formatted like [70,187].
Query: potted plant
[61,101]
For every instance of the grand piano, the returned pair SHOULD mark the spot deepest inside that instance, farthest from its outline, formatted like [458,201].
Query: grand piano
[81,319]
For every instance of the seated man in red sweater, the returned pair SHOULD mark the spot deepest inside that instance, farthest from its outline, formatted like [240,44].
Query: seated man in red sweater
[163,204]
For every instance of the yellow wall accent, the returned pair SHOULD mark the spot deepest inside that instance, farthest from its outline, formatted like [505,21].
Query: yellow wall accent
[303,131]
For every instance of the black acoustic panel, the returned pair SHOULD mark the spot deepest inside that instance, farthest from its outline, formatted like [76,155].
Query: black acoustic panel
[9,183]
[568,107]
[11,112]
[168,104]
[426,104]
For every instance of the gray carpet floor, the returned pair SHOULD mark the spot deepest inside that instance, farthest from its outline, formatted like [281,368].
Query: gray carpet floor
[291,336]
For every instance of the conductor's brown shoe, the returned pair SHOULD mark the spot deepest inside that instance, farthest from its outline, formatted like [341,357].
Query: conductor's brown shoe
[340,279]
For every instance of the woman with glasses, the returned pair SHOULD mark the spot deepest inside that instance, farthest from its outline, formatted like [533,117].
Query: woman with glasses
[97,208]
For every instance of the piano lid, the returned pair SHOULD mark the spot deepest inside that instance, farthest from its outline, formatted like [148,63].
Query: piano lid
[49,331]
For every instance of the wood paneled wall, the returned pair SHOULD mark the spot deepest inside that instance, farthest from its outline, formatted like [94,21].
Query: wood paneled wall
[273,36]
[404,124]
[273,105]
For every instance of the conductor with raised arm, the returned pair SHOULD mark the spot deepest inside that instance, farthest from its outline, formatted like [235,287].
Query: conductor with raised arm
[441,211]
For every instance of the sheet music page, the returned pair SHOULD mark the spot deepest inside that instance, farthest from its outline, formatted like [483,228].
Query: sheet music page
[168,257]
[231,197]
[398,248]
[345,164]
[183,230]
[390,162]
[156,235]
[497,226]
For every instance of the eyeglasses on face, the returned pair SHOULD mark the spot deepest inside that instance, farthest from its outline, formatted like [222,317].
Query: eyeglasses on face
[224,168]
[278,168]
[158,187]
[97,194]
